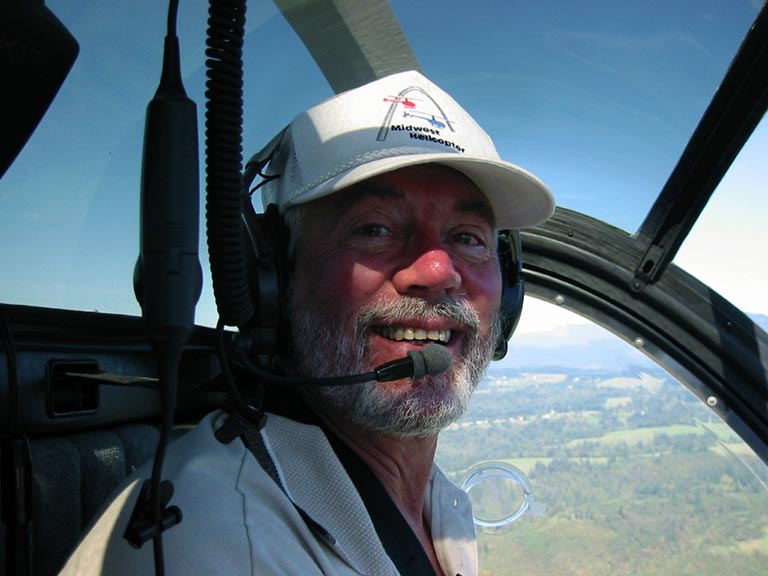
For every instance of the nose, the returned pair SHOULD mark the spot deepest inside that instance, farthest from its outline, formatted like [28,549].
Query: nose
[428,273]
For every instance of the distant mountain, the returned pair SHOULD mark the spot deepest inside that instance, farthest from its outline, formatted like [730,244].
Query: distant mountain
[572,346]
[760,319]
[578,346]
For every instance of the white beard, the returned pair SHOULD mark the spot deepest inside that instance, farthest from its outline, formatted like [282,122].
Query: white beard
[413,411]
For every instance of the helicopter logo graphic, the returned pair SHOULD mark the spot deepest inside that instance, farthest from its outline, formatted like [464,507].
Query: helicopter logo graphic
[429,115]
[410,110]
[405,101]
[429,118]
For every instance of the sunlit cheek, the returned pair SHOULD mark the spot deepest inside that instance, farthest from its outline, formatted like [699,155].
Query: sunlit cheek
[367,281]
[367,285]
[490,304]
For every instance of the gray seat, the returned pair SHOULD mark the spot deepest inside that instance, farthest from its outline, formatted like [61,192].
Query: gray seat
[73,477]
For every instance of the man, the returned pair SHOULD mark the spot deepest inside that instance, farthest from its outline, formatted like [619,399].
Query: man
[393,196]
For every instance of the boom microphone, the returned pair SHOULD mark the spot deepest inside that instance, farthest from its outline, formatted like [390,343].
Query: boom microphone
[430,360]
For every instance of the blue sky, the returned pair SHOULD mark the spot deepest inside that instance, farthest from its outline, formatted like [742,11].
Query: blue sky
[597,98]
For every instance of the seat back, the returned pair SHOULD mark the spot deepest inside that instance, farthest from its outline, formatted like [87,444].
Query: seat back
[59,484]
[73,478]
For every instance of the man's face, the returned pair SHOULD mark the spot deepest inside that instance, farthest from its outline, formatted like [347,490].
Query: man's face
[402,259]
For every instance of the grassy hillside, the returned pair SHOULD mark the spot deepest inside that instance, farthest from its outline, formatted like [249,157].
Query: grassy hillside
[629,474]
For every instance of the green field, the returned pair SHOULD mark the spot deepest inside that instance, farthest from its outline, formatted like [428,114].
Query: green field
[626,479]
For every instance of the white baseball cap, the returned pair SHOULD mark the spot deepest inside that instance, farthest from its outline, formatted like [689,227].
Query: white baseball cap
[397,121]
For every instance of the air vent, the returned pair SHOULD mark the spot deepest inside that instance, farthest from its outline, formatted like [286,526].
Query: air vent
[68,391]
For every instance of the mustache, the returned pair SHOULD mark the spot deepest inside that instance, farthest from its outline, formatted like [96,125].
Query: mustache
[408,308]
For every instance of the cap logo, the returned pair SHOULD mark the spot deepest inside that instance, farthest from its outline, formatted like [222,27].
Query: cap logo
[422,117]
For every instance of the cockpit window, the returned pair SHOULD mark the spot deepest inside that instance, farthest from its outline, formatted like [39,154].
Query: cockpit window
[582,455]
[598,100]
[69,204]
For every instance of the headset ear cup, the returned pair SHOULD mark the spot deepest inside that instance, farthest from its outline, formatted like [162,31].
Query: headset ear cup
[266,254]
[513,288]
[281,237]
[502,346]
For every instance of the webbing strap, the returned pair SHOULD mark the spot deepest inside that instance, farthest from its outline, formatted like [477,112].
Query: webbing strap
[254,441]
[255,444]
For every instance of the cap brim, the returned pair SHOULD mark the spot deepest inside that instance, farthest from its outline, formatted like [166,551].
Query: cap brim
[518,198]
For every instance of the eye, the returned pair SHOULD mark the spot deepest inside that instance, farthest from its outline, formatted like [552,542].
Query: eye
[469,239]
[473,244]
[373,231]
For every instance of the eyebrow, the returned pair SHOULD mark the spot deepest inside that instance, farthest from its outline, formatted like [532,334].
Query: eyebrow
[479,208]
[357,193]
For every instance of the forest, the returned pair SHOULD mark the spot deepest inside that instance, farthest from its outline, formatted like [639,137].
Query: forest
[629,473]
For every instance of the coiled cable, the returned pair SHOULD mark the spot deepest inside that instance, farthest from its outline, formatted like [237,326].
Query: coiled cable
[224,157]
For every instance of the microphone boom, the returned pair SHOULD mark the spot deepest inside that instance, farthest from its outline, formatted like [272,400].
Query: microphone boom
[432,359]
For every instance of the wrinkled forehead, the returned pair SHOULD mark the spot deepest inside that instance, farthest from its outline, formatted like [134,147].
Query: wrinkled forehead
[429,185]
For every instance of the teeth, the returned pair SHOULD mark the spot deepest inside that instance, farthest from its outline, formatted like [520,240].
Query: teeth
[399,333]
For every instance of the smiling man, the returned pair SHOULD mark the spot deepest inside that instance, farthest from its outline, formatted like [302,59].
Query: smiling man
[413,252]
[394,197]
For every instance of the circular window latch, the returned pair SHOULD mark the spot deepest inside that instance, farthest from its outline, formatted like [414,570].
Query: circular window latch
[500,494]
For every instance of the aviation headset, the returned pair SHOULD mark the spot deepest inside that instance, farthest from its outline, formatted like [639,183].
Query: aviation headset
[265,243]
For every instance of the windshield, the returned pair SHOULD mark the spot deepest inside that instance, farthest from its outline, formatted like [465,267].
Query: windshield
[584,457]
[596,99]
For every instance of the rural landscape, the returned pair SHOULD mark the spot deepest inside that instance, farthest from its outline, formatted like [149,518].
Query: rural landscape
[629,473]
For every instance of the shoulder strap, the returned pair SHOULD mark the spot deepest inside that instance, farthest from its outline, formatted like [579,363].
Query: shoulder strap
[251,436]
